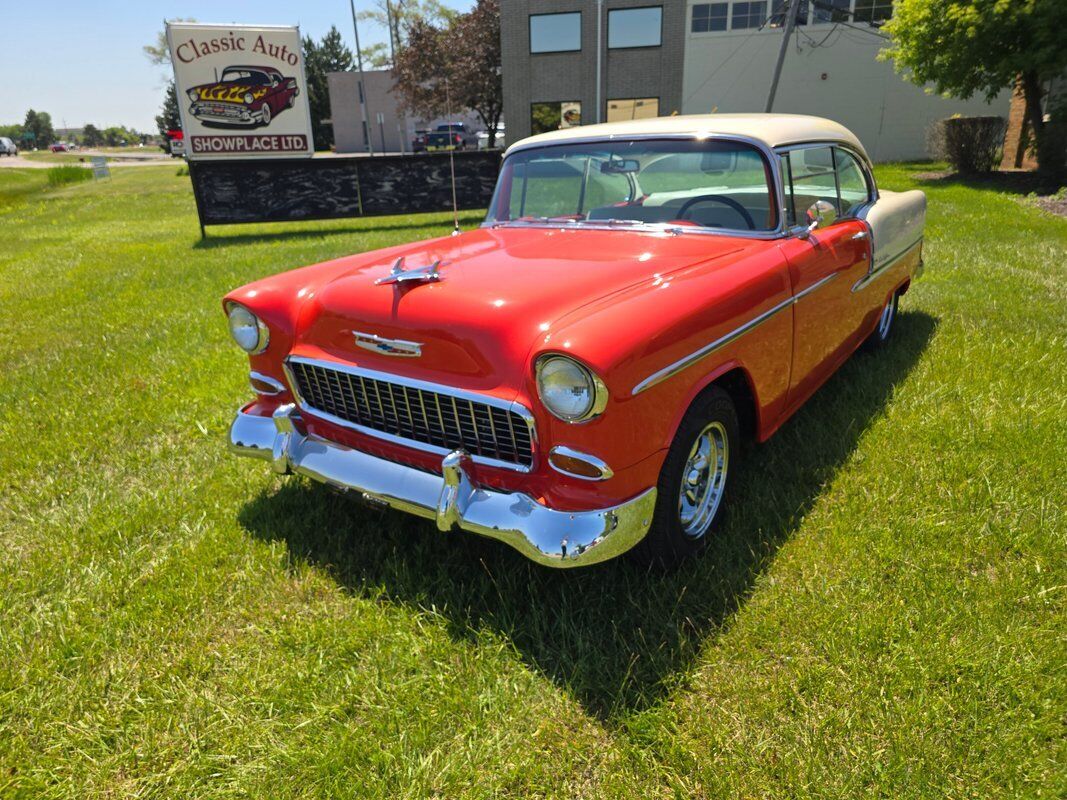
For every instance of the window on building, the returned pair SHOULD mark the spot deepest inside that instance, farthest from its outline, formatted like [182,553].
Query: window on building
[635,27]
[634,108]
[873,11]
[779,10]
[709,17]
[831,11]
[748,15]
[555,33]
[545,117]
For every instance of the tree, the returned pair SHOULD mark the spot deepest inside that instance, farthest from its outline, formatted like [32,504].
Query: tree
[466,54]
[91,136]
[396,17]
[157,52]
[965,47]
[169,119]
[39,124]
[329,55]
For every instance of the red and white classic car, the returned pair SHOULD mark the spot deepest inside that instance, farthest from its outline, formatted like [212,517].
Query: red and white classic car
[575,378]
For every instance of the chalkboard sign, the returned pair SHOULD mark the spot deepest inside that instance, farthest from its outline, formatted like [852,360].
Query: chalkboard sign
[291,189]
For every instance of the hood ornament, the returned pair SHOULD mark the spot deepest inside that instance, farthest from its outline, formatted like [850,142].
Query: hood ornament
[387,347]
[401,276]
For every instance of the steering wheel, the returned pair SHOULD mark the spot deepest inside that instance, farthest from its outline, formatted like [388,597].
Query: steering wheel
[718,198]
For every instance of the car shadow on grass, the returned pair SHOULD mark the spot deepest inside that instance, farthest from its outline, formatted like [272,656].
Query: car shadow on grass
[617,637]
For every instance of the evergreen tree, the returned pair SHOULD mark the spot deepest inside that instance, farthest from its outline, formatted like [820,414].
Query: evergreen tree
[329,55]
[39,123]
[169,119]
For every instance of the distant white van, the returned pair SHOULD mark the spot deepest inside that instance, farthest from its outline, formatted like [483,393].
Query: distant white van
[8,147]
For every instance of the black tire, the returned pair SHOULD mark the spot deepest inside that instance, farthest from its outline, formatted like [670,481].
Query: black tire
[670,540]
[884,329]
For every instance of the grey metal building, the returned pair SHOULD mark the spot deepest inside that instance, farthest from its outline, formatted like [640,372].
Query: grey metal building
[549,50]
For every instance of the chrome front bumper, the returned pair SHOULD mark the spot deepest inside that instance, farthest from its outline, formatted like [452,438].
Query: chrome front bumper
[549,537]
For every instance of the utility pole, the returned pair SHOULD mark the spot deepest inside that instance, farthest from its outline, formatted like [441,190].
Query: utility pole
[362,84]
[599,51]
[790,21]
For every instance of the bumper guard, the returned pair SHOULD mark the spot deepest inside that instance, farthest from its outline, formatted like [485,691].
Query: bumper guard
[549,537]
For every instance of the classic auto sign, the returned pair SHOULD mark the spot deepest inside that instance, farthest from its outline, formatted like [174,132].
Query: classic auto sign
[241,90]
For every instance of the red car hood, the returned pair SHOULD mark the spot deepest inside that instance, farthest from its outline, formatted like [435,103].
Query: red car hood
[501,290]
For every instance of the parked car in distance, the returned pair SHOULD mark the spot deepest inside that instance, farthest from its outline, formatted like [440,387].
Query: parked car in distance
[418,142]
[467,137]
[443,140]
[576,377]
[58,147]
[243,97]
[8,147]
[499,141]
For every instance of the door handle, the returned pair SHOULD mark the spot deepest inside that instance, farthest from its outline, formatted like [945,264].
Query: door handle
[860,235]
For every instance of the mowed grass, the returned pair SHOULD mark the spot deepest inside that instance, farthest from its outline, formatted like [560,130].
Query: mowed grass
[882,615]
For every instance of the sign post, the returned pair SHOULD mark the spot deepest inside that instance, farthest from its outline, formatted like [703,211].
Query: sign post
[242,92]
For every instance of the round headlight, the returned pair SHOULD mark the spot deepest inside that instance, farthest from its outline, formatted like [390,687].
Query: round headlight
[569,390]
[248,330]
[249,98]
[193,95]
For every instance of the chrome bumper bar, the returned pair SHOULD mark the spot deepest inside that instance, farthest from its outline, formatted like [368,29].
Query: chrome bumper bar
[549,537]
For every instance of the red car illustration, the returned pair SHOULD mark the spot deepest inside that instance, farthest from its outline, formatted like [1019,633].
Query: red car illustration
[243,96]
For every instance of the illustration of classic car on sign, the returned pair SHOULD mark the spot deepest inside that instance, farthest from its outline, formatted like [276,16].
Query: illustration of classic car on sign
[575,378]
[242,97]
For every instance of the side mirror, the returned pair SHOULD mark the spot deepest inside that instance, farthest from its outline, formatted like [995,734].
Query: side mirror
[821,214]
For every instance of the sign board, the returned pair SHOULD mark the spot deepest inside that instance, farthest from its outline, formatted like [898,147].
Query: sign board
[241,90]
[100,167]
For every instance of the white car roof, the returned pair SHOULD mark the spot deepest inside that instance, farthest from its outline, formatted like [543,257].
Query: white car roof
[772,130]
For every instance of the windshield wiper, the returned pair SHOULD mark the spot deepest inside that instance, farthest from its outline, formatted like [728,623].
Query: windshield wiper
[614,221]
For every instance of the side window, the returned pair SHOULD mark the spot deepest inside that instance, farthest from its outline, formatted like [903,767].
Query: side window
[851,181]
[810,177]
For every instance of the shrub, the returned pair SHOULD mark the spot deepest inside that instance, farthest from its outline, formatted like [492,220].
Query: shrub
[61,176]
[969,144]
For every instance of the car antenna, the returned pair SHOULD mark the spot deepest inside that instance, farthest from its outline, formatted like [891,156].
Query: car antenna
[452,160]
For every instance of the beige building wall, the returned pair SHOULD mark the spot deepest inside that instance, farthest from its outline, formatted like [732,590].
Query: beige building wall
[843,80]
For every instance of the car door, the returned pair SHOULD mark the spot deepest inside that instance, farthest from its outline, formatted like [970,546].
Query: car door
[825,265]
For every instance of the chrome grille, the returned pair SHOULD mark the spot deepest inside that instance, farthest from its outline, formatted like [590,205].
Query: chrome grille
[417,414]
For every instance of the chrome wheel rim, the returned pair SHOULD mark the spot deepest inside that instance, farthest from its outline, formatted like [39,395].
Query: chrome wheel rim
[887,317]
[703,480]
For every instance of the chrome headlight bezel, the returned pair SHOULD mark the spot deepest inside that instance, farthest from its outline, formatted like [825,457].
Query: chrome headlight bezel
[193,95]
[249,98]
[262,332]
[598,391]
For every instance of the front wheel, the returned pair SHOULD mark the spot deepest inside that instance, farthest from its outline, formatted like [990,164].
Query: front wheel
[264,114]
[694,481]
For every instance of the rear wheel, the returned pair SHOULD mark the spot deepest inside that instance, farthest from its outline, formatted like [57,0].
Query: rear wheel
[694,481]
[880,335]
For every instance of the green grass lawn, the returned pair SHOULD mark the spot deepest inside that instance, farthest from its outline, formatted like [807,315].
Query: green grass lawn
[882,616]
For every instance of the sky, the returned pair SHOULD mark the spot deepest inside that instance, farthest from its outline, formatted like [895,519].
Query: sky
[81,61]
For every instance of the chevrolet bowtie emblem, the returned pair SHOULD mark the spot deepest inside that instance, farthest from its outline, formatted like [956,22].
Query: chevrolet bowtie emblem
[422,275]
[388,347]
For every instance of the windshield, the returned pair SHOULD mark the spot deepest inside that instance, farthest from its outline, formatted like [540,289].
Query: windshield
[251,77]
[687,183]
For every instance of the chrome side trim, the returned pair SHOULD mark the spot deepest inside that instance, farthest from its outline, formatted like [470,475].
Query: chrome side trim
[513,406]
[688,361]
[452,499]
[277,387]
[601,466]
[867,279]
